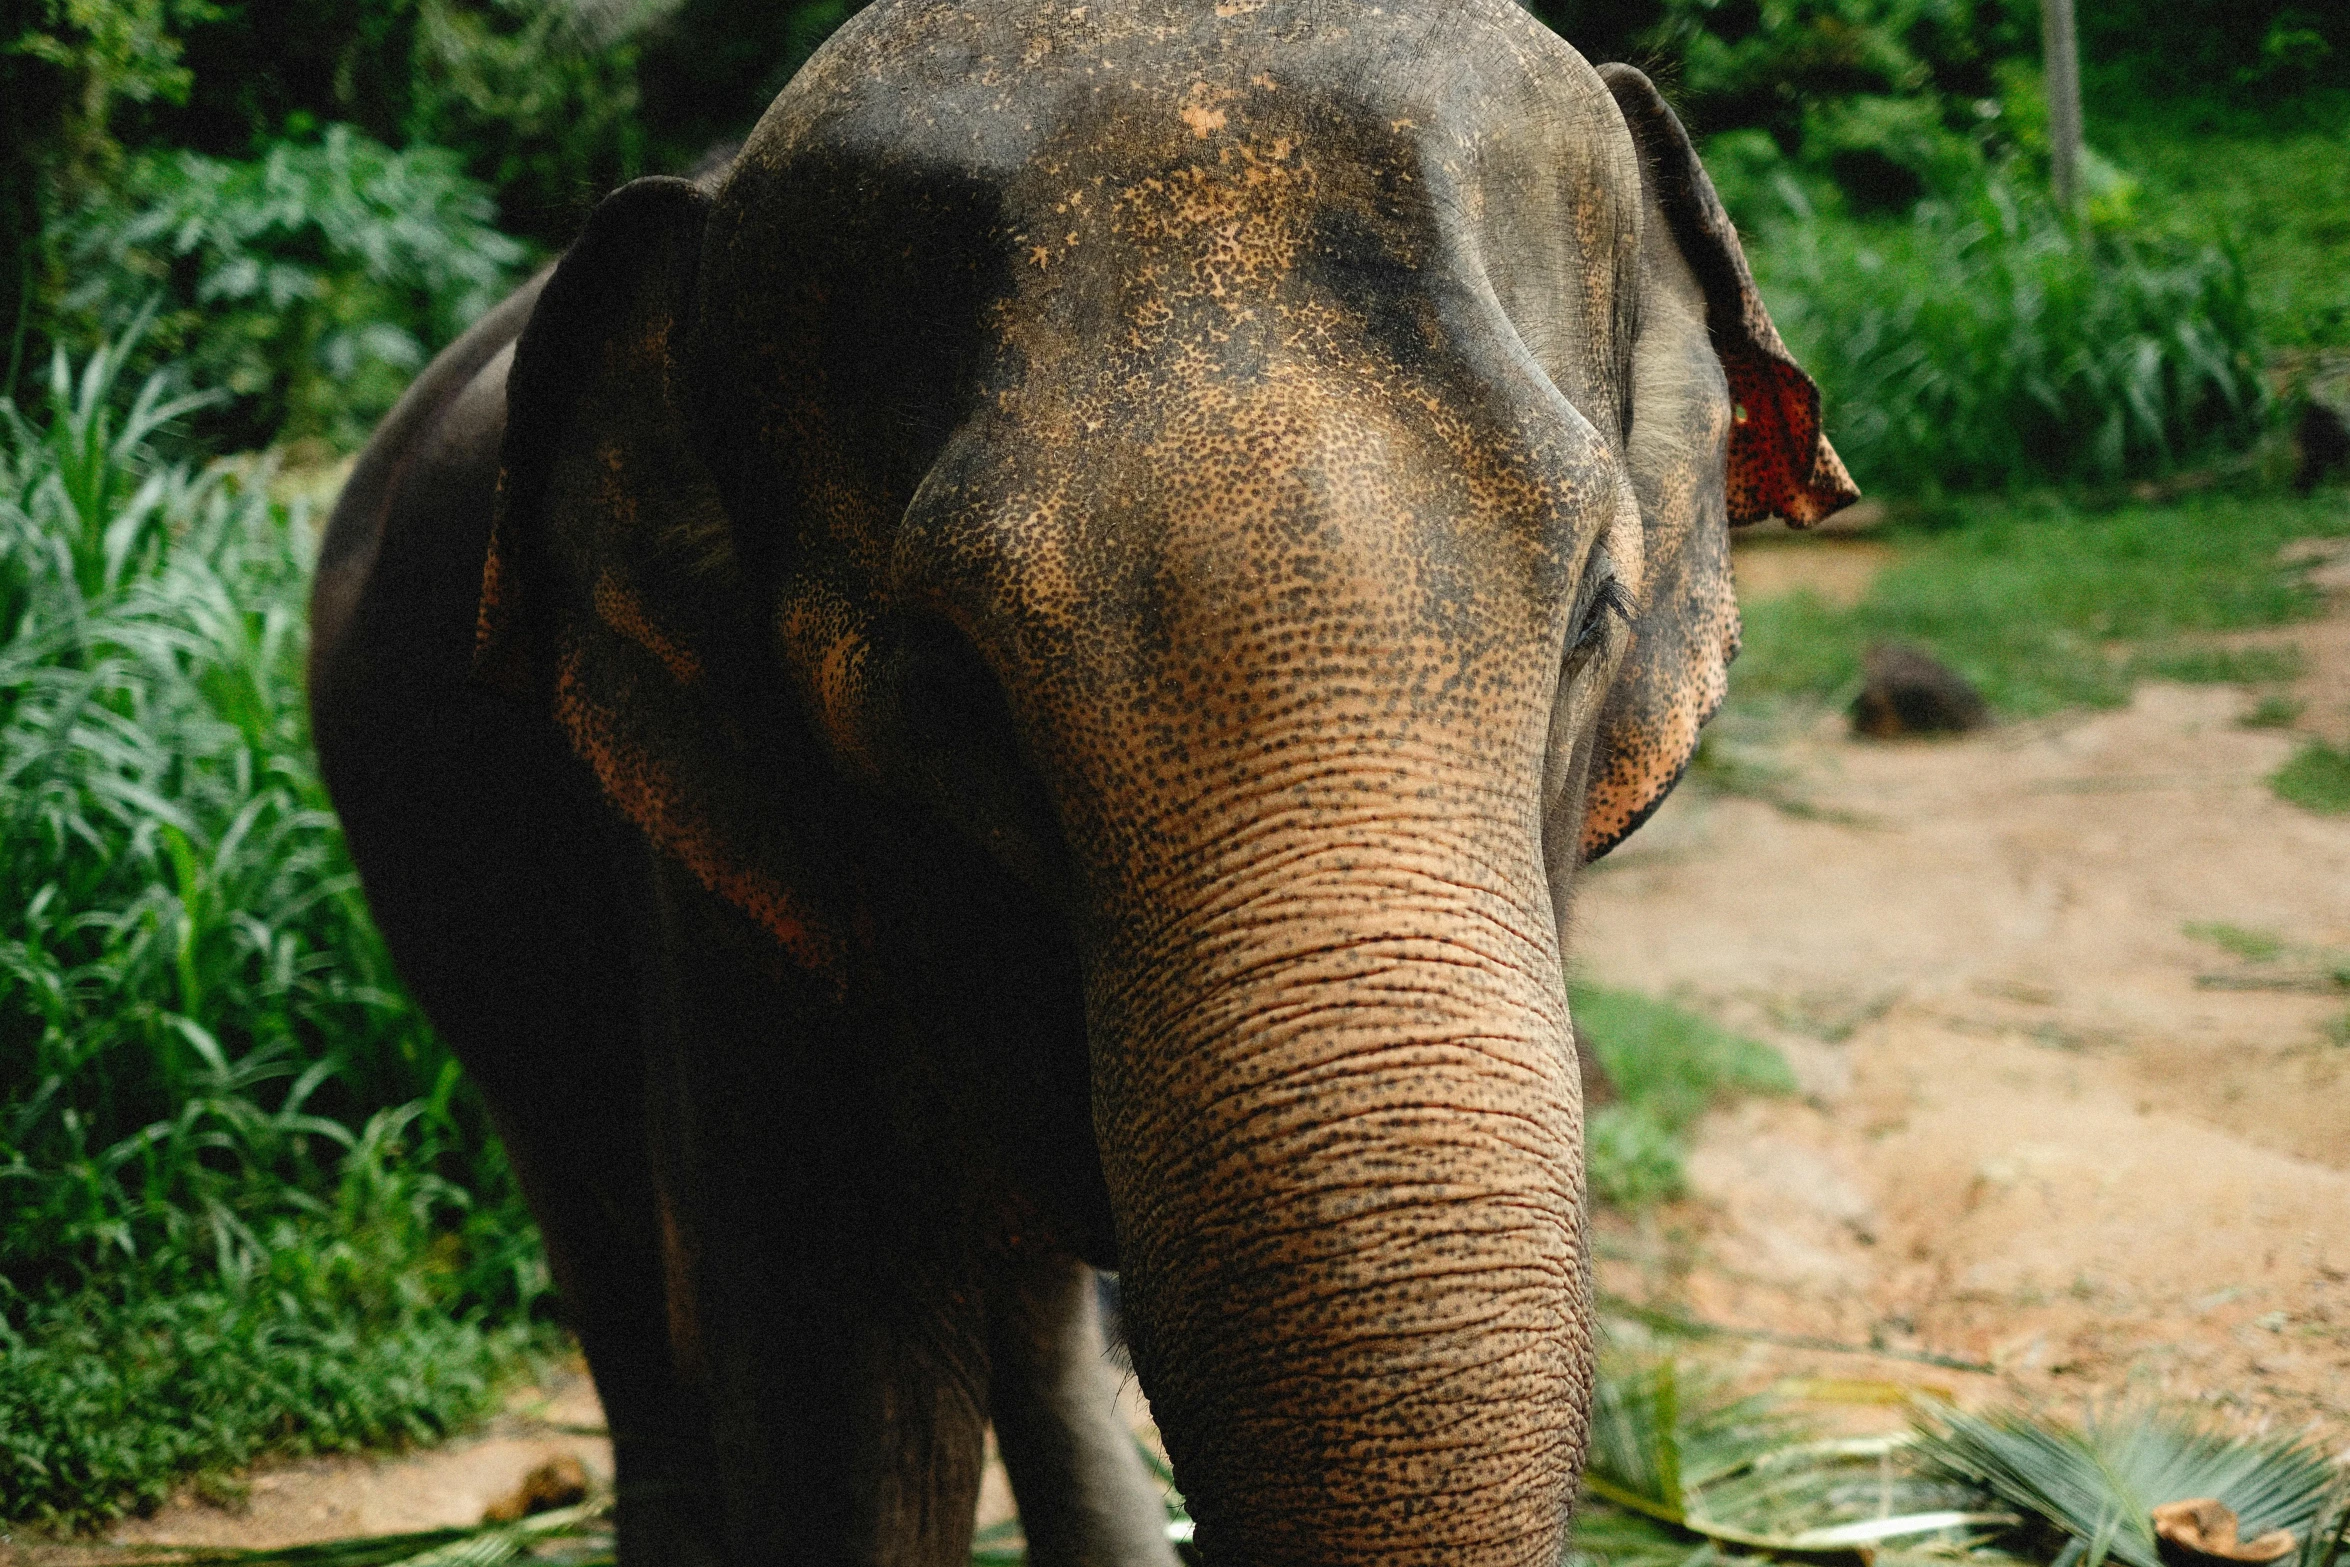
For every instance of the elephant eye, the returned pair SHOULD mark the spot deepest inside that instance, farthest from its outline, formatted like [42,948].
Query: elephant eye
[1609,599]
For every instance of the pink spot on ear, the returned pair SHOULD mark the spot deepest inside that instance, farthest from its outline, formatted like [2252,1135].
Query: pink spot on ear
[1780,463]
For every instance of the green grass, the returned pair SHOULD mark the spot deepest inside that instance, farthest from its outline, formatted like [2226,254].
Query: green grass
[2253,946]
[2045,605]
[246,1203]
[1670,1065]
[2317,779]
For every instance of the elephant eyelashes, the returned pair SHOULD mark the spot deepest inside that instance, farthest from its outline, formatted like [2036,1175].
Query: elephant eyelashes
[1610,599]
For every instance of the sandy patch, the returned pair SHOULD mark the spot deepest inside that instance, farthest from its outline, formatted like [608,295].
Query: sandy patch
[2030,1137]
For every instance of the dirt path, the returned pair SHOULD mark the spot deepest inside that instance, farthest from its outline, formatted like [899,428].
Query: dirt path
[2033,1130]
[2028,1136]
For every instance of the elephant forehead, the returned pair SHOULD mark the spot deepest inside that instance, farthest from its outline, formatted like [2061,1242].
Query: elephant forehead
[994,86]
[1119,172]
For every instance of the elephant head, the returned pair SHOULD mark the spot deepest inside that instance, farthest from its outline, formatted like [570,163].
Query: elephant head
[1261,472]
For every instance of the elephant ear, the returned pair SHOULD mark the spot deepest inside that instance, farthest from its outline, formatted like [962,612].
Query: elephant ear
[1725,430]
[610,593]
[1780,462]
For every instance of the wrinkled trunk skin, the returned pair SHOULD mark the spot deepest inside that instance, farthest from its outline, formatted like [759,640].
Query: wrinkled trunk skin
[1341,1126]
[1333,1080]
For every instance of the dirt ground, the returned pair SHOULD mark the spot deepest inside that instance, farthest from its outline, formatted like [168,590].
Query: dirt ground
[2042,1129]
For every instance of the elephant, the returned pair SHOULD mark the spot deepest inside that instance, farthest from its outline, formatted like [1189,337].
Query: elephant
[1014,684]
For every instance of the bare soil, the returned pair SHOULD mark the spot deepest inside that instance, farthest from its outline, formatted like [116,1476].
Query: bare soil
[2042,1129]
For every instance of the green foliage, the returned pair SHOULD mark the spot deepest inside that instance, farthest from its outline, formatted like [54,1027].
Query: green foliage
[78,59]
[2250,52]
[1661,1434]
[65,67]
[539,100]
[2316,779]
[709,69]
[231,1151]
[340,1341]
[1883,96]
[1988,343]
[2223,178]
[2029,599]
[2094,1488]
[309,284]
[107,504]
[1670,1065]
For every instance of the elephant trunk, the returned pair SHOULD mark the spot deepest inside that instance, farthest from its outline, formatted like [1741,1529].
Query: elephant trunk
[1339,1115]
[1297,770]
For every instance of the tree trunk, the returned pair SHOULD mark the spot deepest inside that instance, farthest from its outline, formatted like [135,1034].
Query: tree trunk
[2060,56]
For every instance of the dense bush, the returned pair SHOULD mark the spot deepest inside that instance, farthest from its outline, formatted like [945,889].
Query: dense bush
[308,285]
[212,1091]
[1990,343]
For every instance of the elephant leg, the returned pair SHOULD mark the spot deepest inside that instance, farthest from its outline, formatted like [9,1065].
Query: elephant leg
[480,885]
[601,1221]
[826,1293]
[1085,1498]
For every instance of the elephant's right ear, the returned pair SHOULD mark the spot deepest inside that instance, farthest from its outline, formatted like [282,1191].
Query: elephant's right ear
[1780,462]
[596,420]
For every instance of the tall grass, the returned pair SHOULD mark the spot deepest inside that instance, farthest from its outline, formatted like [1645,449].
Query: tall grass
[241,1185]
[1988,343]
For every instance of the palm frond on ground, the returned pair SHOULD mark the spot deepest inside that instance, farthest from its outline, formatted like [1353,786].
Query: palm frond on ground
[1680,1470]
[2090,1490]
[572,1537]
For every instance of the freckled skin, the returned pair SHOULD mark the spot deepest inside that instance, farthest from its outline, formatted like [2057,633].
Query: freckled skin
[1018,683]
